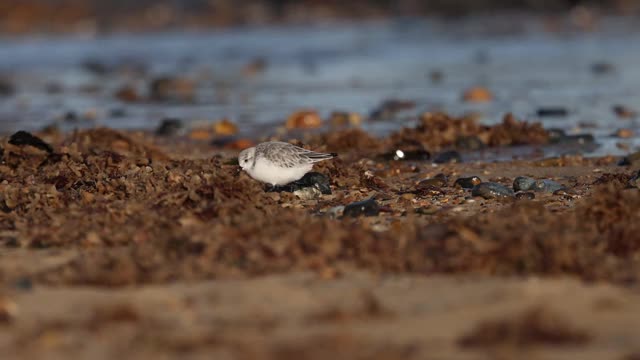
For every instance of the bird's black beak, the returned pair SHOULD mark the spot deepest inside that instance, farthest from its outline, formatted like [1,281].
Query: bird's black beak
[238,171]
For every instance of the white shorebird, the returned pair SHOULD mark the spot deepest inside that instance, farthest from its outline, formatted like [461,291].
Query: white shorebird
[279,163]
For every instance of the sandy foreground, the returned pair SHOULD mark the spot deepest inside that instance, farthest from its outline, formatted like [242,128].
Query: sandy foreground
[128,245]
[357,316]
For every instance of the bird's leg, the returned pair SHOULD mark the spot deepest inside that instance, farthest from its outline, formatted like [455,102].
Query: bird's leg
[273,188]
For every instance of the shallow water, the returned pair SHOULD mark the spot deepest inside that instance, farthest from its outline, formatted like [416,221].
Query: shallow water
[350,67]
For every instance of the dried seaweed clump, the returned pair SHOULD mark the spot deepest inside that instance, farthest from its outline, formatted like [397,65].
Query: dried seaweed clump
[99,140]
[439,130]
[348,140]
[599,240]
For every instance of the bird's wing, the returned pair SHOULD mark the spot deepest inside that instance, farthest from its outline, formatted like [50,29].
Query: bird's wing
[288,155]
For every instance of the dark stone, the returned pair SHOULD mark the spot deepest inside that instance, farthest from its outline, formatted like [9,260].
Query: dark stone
[389,108]
[439,180]
[577,139]
[552,112]
[169,127]
[525,195]
[24,284]
[490,190]
[470,143]
[467,182]
[630,159]
[71,117]
[367,207]
[315,179]
[450,156]
[602,68]
[409,155]
[11,242]
[565,193]
[547,186]
[117,113]
[436,76]
[624,112]
[556,135]
[310,179]
[96,67]
[171,89]
[53,88]
[6,88]
[22,138]
[523,183]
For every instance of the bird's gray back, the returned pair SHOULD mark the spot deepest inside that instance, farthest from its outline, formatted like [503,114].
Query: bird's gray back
[287,155]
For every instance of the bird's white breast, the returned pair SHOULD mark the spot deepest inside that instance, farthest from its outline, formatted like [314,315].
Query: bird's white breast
[267,172]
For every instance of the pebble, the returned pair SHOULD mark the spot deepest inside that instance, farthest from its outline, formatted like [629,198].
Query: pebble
[624,112]
[565,194]
[408,196]
[8,310]
[24,284]
[467,182]
[117,113]
[255,67]
[225,127]
[127,93]
[389,108]
[23,138]
[304,119]
[523,183]
[624,133]
[320,182]
[342,119]
[525,195]
[450,156]
[169,127]
[6,88]
[336,211]
[601,68]
[477,94]
[630,159]
[552,112]
[557,136]
[548,186]
[367,207]
[491,190]
[172,89]
[439,180]
[579,139]
[308,193]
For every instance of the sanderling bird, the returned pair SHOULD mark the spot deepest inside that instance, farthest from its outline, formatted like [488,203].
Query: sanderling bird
[279,163]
